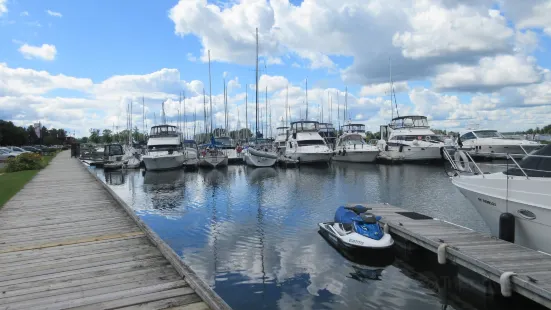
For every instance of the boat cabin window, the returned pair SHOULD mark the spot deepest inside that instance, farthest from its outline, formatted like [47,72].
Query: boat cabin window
[353,128]
[538,165]
[163,131]
[112,150]
[305,126]
[352,140]
[488,134]
[190,144]
[468,136]
[430,138]
[310,142]
[410,121]
[223,141]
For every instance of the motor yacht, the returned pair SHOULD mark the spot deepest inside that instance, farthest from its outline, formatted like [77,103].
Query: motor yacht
[112,156]
[352,147]
[328,133]
[280,141]
[491,144]
[260,153]
[164,148]
[306,145]
[409,138]
[520,189]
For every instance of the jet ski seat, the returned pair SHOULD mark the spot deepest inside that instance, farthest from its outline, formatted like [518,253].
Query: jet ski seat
[358,209]
[368,218]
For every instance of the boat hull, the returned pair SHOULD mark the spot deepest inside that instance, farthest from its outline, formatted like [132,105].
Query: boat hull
[310,158]
[257,161]
[213,161]
[491,200]
[357,157]
[163,162]
[500,151]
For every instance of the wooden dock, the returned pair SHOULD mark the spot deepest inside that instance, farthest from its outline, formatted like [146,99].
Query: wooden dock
[66,242]
[485,255]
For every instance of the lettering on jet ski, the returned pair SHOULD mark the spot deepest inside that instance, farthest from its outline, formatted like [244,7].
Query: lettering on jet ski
[355,241]
[491,203]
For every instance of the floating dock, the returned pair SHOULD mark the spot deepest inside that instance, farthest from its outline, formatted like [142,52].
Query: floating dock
[66,241]
[513,268]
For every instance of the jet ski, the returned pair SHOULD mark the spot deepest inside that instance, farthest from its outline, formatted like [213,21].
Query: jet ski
[355,228]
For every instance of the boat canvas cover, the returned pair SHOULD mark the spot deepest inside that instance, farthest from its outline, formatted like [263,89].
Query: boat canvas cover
[345,216]
[538,166]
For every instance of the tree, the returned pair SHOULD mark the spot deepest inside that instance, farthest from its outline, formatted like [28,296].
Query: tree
[107,136]
[94,136]
[83,140]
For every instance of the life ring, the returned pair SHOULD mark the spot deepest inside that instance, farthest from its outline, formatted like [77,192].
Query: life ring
[461,160]
[239,149]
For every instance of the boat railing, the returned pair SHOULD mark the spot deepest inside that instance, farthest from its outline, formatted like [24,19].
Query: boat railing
[470,166]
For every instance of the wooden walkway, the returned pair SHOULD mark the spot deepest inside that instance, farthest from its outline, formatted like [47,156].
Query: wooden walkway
[66,243]
[482,254]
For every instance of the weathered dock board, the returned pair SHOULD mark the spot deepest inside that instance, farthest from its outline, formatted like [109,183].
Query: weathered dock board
[65,242]
[482,254]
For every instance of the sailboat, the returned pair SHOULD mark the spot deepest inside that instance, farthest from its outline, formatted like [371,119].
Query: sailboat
[211,156]
[259,153]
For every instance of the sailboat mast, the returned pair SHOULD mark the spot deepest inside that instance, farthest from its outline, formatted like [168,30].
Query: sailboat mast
[287,106]
[194,119]
[143,116]
[256,85]
[185,119]
[205,112]
[306,98]
[346,104]
[266,114]
[210,96]
[390,86]
[247,110]
[225,109]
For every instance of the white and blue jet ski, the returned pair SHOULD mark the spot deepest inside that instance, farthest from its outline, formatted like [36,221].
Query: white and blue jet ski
[355,228]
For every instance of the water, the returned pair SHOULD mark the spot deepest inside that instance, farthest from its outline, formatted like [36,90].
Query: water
[252,233]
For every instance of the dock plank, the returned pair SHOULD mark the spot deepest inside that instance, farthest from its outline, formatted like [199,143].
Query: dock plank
[67,242]
[477,252]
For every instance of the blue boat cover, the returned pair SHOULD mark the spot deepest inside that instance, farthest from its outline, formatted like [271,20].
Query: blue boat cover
[345,216]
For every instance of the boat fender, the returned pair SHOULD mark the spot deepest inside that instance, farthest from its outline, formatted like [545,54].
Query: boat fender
[386,147]
[401,148]
[507,227]
[343,152]
[339,152]
[442,153]
[461,160]
[385,228]
[505,283]
[441,252]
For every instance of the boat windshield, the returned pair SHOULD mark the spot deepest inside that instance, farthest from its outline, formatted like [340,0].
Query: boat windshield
[353,128]
[305,126]
[164,130]
[352,140]
[488,134]
[409,122]
[537,164]
[190,144]
[310,142]
[113,150]
[224,141]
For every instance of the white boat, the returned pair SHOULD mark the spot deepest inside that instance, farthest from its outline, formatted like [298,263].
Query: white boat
[521,191]
[212,157]
[113,156]
[409,138]
[191,153]
[306,145]
[229,148]
[280,141]
[351,147]
[328,133]
[491,144]
[131,158]
[260,153]
[164,148]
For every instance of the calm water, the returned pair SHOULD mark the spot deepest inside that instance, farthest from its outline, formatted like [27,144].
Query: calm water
[252,233]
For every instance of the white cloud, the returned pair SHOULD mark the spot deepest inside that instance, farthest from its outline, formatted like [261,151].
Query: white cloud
[44,52]
[529,14]
[233,84]
[24,13]
[491,73]
[383,89]
[53,13]
[439,31]
[191,58]
[274,61]
[3,7]
[274,83]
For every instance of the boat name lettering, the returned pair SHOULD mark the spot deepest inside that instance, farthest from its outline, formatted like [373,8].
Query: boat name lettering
[355,241]
[487,201]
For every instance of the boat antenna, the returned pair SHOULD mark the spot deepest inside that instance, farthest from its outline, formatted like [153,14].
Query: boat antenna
[392,93]
[185,119]
[306,99]
[256,86]
[143,116]
[225,108]
[210,97]
[287,107]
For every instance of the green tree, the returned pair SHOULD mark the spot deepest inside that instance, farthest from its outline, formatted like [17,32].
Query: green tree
[94,136]
[83,140]
[107,136]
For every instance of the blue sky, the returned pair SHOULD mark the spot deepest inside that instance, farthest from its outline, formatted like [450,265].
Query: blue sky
[456,62]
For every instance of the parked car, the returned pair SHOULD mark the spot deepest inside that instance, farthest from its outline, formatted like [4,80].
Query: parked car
[16,149]
[32,149]
[6,153]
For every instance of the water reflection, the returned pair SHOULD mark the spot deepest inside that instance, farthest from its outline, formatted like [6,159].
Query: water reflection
[252,234]
[114,177]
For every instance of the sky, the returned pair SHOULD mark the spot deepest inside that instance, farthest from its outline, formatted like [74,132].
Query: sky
[78,65]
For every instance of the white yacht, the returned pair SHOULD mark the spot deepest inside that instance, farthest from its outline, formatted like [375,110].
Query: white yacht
[409,138]
[228,147]
[522,190]
[164,148]
[212,157]
[260,153]
[280,141]
[491,144]
[191,153]
[306,145]
[352,147]
[354,128]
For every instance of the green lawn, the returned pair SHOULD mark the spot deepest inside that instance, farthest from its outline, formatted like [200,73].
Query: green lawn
[11,183]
